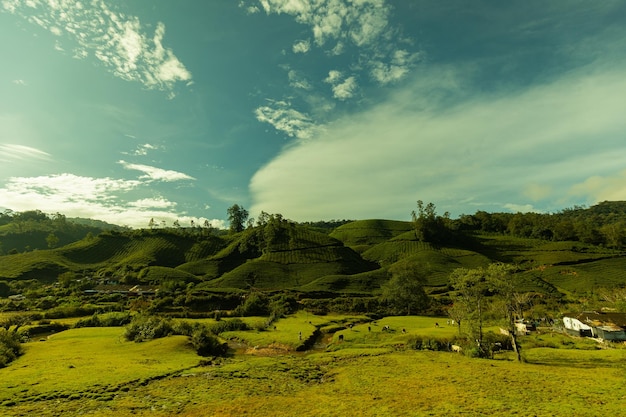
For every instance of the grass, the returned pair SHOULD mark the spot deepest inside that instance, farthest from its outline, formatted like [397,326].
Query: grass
[94,372]
[90,360]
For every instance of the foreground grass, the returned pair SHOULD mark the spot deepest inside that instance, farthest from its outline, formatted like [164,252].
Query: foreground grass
[90,361]
[94,372]
[367,383]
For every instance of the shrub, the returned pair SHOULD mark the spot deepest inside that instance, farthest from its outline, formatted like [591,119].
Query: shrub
[105,320]
[10,347]
[227,326]
[144,327]
[206,344]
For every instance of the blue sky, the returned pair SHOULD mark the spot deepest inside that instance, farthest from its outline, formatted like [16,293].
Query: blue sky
[316,109]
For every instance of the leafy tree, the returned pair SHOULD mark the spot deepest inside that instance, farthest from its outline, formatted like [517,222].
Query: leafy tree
[237,216]
[428,225]
[405,289]
[474,286]
[52,240]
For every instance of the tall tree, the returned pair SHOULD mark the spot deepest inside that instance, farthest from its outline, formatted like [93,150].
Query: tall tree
[237,216]
[474,286]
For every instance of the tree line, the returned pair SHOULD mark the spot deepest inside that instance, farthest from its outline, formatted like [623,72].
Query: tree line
[603,224]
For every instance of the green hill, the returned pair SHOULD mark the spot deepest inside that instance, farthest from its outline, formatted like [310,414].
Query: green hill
[354,258]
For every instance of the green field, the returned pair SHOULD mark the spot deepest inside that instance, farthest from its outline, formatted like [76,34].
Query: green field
[371,372]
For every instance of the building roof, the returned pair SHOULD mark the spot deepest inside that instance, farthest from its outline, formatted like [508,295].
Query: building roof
[608,320]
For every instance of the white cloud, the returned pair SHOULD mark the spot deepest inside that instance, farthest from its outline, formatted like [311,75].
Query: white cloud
[360,21]
[438,140]
[399,65]
[297,80]
[105,199]
[282,117]
[520,208]
[334,77]
[156,174]
[115,39]
[360,27]
[151,203]
[142,150]
[301,47]
[19,82]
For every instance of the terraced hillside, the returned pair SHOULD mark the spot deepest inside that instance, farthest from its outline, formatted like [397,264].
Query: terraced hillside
[355,258]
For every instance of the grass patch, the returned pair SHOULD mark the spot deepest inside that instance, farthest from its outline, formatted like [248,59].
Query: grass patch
[80,359]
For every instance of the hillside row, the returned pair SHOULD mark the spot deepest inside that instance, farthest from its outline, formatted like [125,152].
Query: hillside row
[353,258]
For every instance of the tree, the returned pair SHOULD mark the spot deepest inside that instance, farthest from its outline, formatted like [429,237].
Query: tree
[151,223]
[237,216]
[428,225]
[473,286]
[405,289]
[505,285]
[52,240]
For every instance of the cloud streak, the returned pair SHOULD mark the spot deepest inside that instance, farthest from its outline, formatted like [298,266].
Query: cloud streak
[12,152]
[117,40]
[156,174]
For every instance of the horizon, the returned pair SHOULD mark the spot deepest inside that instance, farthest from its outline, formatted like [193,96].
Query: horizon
[123,112]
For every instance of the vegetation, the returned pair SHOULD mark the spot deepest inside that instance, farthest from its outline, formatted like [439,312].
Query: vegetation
[161,315]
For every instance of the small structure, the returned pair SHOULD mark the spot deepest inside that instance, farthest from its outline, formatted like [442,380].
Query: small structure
[524,327]
[599,325]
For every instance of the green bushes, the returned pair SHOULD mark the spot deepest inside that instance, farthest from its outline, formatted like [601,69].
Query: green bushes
[105,320]
[143,327]
[428,343]
[203,338]
[206,344]
[10,347]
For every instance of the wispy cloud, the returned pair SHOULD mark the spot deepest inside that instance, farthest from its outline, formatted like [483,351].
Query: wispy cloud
[142,150]
[19,82]
[298,81]
[117,40]
[11,152]
[156,174]
[343,89]
[284,118]
[360,27]
[542,148]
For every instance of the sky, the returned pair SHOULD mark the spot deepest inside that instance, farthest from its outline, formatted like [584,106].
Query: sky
[126,111]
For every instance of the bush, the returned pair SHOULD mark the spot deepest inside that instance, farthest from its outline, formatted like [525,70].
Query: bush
[228,326]
[105,320]
[144,327]
[428,343]
[206,344]
[10,347]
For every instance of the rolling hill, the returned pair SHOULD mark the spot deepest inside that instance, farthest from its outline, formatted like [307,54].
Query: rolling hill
[355,258]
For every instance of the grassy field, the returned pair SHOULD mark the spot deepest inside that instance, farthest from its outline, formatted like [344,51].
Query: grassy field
[95,372]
